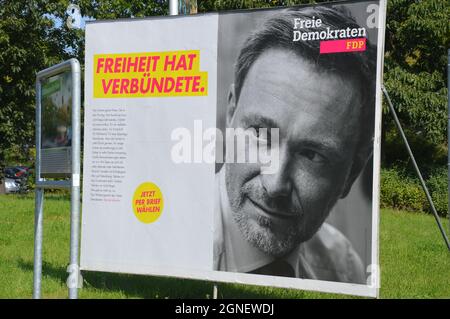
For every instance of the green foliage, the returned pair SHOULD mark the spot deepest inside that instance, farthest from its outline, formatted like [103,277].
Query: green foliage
[428,155]
[400,191]
[16,155]
[118,9]
[438,187]
[217,5]
[30,40]
[417,39]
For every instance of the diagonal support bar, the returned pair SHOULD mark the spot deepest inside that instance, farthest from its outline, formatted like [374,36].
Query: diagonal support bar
[448,135]
[422,182]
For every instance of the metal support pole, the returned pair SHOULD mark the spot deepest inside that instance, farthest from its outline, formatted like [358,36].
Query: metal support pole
[39,203]
[38,232]
[215,291]
[448,135]
[173,7]
[422,182]
[75,282]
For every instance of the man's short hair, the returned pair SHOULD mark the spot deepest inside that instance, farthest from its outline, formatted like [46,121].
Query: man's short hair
[277,32]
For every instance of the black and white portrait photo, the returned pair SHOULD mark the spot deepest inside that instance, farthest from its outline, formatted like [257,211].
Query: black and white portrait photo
[311,217]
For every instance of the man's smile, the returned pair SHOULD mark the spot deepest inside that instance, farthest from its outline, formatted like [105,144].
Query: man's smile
[269,212]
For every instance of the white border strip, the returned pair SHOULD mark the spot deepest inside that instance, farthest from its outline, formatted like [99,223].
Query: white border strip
[375,266]
[235,278]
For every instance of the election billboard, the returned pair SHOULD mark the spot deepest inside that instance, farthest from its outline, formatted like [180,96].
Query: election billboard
[239,146]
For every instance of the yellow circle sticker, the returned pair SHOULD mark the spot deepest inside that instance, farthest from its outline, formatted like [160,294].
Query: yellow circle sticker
[148,202]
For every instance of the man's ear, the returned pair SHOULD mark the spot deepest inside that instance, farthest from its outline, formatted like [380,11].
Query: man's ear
[231,107]
[358,165]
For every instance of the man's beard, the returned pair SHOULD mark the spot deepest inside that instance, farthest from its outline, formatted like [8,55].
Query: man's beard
[259,231]
[262,237]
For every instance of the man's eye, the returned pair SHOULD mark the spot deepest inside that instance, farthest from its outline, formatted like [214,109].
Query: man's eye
[313,156]
[260,133]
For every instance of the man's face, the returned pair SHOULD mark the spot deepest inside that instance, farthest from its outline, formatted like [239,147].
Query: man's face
[317,115]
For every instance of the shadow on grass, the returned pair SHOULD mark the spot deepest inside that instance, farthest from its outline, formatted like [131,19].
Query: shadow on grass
[139,286]
[48,270]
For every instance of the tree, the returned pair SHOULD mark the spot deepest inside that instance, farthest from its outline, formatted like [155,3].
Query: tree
[117,9]
[30,40]
[417,39]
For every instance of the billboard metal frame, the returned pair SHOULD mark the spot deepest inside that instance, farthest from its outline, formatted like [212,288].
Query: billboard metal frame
[73,183]
[370,289]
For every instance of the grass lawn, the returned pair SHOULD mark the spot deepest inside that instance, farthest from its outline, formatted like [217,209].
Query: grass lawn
[414,260]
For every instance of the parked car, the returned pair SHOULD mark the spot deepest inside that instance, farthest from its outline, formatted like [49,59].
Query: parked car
[16,179]
[15,172]
[11,186]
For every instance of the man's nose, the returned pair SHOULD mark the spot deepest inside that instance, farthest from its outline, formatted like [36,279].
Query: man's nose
[279,184]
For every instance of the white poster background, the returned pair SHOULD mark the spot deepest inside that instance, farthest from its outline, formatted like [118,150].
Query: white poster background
[180,243]
[181,238]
